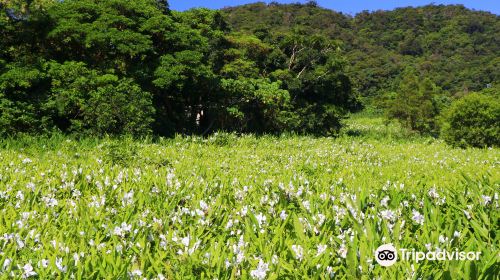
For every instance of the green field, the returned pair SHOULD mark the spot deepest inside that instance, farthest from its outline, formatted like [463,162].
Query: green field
[246,207]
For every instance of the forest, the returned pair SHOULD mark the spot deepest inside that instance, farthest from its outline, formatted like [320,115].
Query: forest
[119,67]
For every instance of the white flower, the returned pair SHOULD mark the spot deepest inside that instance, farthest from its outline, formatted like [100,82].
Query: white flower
[6,264]
[203,205]
[31,186]
[136,273]
[43,263]
[417,217]
[60,266]
[283,215]
[388,215]
[51,202]
[456,234]
[329,269]
[185,241]
[118,231]
[428,246]
[343,251]
[76,257]
[299,251]
[260,219]
[384,201]
[128,198]
[321,249]
[307,205]
[261,271]
[126,227]
[433,193]
[486,199]
[275,259]
[28,271]
[443,239]
[467,214]
[229,224]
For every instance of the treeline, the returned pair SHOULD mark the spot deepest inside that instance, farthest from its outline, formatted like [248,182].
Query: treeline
[136,67]
[99,67]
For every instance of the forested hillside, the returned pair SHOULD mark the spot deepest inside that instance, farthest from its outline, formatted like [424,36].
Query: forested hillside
[457,48]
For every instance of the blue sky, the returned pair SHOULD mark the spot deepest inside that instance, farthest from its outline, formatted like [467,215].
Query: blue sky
[346,6]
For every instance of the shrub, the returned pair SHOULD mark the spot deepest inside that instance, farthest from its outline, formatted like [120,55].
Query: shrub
[473,120]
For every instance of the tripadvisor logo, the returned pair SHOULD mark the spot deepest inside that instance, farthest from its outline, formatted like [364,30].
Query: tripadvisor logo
[387,255]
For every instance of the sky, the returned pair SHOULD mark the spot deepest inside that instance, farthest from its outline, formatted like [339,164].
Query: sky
[345,6]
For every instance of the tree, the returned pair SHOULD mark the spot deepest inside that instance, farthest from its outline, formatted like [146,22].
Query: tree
[473,120]
[414,103]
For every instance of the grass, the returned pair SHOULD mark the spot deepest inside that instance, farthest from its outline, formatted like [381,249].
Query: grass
[246,207]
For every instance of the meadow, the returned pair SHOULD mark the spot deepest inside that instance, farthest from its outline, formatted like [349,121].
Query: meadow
[248,207]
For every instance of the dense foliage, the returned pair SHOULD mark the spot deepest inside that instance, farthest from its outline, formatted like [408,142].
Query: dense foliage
[416,104]
[132,67]
[136,67]
[473,120]
[457,48]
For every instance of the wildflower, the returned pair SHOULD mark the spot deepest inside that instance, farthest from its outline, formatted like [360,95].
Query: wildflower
[274,259]
[417,217]
[260,219]
[128,198]
[203,205]
[307,205]
[31,186]
[443,239]
[60,266]
[261,271]
[486,199]
[467,214]
[229,224]
[44,263]
[456,234]
[50,201]
[136,273]
[185,241]
[6,264]
[20,195]
[299,252]
[343,251]
[28,271]
[283,215]
[433,193]
[76,258]
[321,249]
[387,215]
[238,250]
[329,270]
[384,201]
